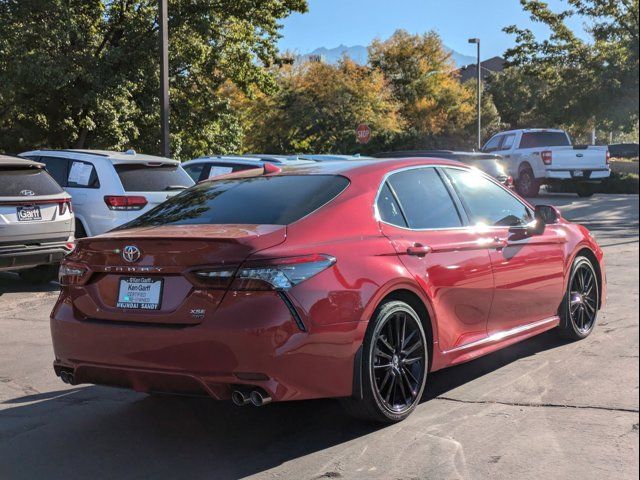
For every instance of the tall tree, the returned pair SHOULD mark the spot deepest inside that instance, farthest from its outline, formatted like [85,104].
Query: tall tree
[578,81]
[318,108]
[85,73]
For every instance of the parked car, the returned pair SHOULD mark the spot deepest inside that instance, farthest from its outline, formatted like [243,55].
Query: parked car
[624,150]
[111,188]
[352,280]
[204,168]
[535,157]
[36,220]
[489,163]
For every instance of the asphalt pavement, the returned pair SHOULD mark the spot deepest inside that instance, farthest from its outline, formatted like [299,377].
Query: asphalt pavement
[541,409]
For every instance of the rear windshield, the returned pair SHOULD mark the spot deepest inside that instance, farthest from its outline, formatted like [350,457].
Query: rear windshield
[544,139]
[143,178]
[255,201]
[27,183]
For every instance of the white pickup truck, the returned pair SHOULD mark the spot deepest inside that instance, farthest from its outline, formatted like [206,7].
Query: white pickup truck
[534,157]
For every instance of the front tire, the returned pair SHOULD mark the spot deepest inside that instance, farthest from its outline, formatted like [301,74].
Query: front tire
[579,311]
[394,366]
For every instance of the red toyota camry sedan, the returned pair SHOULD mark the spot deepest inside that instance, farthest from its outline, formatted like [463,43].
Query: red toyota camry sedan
[350,280]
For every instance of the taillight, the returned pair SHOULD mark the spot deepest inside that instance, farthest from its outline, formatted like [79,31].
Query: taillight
[547,157]
[509,183]
[71,274]
[121,202]
[279,274]
[64,207]
[608,157]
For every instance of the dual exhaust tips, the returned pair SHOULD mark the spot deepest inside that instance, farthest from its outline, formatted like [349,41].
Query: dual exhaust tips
[67,377]
[257,398]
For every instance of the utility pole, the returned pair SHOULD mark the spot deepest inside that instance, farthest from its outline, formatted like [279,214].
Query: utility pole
[164,78]
[479,86]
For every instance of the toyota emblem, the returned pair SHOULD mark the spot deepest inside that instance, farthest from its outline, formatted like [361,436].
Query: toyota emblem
[131,254]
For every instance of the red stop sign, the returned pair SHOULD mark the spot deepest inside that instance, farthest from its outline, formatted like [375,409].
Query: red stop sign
[363,134]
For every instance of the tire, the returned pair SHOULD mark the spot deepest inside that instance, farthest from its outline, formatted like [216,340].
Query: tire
[80,231]
[527,184]
[584,190]
[40,275]
[397,329]
[579,310]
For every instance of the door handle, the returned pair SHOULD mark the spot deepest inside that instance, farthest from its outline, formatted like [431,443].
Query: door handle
[419,250]
[500,243]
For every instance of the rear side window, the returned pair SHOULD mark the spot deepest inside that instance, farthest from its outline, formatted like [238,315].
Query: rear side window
[27,183]
[424,199]
[507,143]
[487,203]
[195,171]
[255,201]
[218,169]
[82,175]
[544,139]
[388,208]
[144,178]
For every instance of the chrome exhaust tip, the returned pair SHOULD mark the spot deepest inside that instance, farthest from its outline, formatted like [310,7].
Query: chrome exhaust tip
[259,399]
[239,399]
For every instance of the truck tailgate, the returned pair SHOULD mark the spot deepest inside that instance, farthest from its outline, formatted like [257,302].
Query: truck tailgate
[572,158]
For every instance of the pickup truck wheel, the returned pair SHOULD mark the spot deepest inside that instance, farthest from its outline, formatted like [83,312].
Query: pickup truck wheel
[584,190]
[527,185]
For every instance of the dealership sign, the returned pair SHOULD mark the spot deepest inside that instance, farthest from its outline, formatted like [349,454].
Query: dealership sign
[363,134]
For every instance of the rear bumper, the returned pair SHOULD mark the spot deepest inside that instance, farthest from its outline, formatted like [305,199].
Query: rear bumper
[251,341]
[596,175]
[18,257]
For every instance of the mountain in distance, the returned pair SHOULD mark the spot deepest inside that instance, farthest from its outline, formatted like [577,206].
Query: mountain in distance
[359,54]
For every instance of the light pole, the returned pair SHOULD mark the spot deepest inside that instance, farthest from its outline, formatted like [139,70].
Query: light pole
[479,67]
[164,78]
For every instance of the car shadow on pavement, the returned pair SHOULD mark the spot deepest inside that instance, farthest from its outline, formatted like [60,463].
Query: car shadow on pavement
[12,283]
[96,432]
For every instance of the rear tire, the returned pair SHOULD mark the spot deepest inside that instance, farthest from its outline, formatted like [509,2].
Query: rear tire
[584,190]
[395,361]
[579,311]
[527,184]
[39,275]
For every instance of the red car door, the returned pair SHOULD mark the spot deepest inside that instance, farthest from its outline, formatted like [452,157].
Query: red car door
[528,269]
[426,226]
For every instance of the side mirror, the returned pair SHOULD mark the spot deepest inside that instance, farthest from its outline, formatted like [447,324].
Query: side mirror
[544,215]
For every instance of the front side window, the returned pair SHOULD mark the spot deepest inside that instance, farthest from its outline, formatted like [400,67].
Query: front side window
[424,199]
[486,202]
[247,201]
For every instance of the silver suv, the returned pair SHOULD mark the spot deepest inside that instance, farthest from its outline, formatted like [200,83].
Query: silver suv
[36,220]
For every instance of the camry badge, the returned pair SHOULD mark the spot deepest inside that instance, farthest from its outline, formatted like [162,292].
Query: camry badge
[131,253]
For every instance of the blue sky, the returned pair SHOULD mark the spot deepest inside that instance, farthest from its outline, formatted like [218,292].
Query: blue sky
[330,23]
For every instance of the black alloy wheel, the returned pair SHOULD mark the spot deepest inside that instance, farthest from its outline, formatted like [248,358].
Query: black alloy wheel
[582,301]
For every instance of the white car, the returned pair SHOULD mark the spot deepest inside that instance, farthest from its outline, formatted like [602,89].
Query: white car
[36,220]
[534,157]
[204,168]
[109,189]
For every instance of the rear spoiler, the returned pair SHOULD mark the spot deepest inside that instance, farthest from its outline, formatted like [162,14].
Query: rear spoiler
[266,169]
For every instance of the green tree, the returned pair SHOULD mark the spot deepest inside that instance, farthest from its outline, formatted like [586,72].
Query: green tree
[577,82]
[85,74]
[317,109]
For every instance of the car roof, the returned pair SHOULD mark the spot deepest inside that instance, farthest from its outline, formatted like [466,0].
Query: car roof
[327,157]
[356,168]
[449,154]
[115,157]
[243,160]
[8,161]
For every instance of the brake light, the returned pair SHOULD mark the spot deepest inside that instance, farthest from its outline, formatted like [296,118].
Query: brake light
[120,202]
[547,157]
[608,157]
[71,274]
[509,183]
[64,207]
[278,274]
